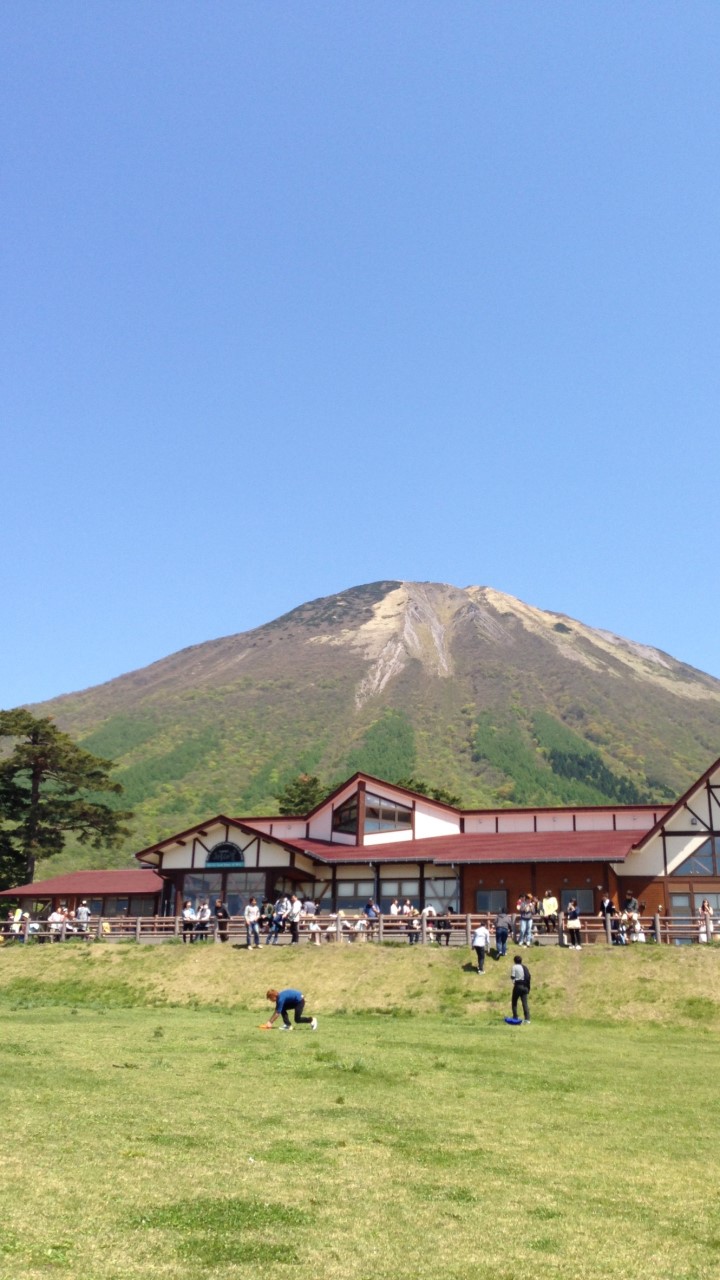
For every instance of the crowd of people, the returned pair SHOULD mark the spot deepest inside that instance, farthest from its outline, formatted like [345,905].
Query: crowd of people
[266,921]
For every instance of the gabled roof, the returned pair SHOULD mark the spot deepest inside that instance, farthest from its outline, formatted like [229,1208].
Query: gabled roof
[383,783]
[201,828]
[670,813]
[95,884]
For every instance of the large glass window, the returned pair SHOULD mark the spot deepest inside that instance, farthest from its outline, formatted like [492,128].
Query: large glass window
[384,815]
[199,887]
[352,895]
[585,899]
[116,906]
[345,819]
[400,889]
[703,862]
[241,887]
[442,893]
[142,904]
[491,900]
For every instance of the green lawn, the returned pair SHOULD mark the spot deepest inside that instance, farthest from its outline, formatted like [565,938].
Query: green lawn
[150,1139]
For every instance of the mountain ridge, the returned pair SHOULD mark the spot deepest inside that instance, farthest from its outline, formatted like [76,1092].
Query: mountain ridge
[466,688]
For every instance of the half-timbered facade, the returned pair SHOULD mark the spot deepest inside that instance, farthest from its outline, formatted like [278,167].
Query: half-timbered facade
[370,838]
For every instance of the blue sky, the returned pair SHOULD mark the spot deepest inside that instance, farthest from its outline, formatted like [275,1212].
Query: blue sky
[301,296]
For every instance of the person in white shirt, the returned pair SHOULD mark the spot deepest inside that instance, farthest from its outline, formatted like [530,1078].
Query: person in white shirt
[481,944]
[294,915]
[188,921]
[252,916]
[56,920]
[82,915]
[394,907]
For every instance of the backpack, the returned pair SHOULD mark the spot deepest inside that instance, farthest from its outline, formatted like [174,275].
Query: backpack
[528,979]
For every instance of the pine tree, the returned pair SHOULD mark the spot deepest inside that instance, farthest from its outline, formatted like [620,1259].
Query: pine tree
[50,787]
[300,795]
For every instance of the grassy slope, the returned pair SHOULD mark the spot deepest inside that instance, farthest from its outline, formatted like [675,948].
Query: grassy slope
[655,985]
[156,1141]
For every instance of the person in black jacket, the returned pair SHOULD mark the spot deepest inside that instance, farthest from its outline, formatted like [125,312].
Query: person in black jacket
[521,981]
[222,915]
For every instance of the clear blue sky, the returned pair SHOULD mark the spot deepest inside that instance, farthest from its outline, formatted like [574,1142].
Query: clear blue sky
[297,296]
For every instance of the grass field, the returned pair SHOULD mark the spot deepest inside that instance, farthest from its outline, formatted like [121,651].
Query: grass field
[150,1130]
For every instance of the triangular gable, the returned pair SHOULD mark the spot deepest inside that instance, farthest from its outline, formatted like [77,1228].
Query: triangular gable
[699,807]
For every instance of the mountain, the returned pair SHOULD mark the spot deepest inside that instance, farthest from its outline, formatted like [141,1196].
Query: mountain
[463,688]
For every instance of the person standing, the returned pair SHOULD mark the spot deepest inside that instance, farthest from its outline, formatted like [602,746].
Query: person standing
[202,921]
[222,915]
[252,918]
[188,921]
[82,915]
[285,1001]
[521,980]
[526,908]
[503,925]
[607,912]
[371,912]
[293,916]
[572,925]
[481,944]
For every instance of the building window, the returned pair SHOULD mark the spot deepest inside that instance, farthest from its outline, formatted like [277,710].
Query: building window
[116,906]
[400,889]
[198,888]
[225,855]
[142,904]
[353,894]
[384,815]
[585,899]
[703,862]
[442,893]
[345,819]
[241,887]
[490,901]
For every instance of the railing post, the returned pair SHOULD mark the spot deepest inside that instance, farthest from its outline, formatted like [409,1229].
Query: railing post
[381,927]
[608,928]
[423,929]
[561,929]
[138,927]
[99,930]
[468,930]
[656,927]
[708,927]
[338,928]
[63,930]
[177,926]
[216,931]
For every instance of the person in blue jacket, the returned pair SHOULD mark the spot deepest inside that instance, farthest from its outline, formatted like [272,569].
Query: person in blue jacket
[286,1000]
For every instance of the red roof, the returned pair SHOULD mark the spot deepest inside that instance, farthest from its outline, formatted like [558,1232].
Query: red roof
[95,884]
[534,846]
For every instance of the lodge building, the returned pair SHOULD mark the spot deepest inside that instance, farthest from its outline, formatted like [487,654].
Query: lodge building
[374,839]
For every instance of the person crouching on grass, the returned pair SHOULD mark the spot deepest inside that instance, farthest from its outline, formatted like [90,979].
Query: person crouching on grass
[520,975]
[289,999]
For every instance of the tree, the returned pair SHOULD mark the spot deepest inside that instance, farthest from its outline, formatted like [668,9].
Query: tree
[50,787]
[300,795]
[433,793]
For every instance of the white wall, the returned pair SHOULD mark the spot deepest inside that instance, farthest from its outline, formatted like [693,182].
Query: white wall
[430,821]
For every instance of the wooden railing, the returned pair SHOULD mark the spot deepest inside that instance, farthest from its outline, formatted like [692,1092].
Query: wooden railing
[455,931]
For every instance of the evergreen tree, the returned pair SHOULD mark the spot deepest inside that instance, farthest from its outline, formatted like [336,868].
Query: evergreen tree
[433,793]
[50,787]
[300,795]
